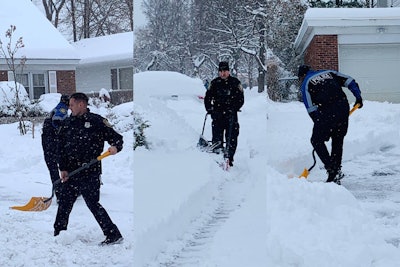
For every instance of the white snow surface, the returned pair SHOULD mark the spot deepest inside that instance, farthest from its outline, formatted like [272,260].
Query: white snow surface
[35,30]
[102,48]
[27,237]
[185,211]
[189,212]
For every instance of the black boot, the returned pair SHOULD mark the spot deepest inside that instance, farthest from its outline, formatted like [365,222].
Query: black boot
[231,161]
[339,176]
[335,176]
[113,237]
[331,175]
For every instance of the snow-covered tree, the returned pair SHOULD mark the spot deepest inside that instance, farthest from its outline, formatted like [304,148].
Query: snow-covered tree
[209,31]
[88,18]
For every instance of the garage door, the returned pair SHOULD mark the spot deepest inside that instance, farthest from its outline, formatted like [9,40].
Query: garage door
[376,68]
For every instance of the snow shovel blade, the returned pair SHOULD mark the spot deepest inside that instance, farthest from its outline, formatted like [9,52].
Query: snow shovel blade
[35,204]
[43,203]
[203,143]
[304,173]
[307,171]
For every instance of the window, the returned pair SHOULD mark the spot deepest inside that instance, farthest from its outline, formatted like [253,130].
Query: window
[34,83]
[122,78]
[38,85]
[24,80]
[114,79]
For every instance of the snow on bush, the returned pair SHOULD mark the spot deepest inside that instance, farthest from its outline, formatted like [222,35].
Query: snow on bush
[8,99]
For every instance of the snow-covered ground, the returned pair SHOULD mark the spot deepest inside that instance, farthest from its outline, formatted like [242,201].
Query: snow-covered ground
[188,212]
[27,237]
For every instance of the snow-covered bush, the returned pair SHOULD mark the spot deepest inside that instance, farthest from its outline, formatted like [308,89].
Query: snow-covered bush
[121,117]
[139,126]
[8,105]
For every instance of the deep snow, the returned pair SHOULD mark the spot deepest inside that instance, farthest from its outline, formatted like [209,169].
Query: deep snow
[188,212]
[27,237]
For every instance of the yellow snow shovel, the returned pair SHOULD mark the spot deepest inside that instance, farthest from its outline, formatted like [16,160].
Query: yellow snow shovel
[354,108]
[43,203]
[307,171]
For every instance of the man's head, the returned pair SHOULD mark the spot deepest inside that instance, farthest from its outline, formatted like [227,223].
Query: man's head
[78,104]
[303,69]
[223,69]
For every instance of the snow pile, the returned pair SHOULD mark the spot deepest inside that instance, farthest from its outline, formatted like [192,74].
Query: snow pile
[8,93]
[188,212]
[29,235]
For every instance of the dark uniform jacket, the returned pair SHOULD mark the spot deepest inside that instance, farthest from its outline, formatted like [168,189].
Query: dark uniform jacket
[82,139]
[50,132]
[323,95]
[224,95]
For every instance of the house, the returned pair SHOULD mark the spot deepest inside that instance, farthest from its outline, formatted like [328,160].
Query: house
[51,60]
[361,42]
[106,62]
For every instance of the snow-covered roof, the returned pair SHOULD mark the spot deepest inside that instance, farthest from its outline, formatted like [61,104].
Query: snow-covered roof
[349,21]
[104,48]
[41,39]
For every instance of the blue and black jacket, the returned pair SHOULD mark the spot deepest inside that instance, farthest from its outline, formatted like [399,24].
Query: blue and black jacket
[322,90]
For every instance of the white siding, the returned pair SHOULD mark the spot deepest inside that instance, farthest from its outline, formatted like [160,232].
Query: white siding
[93,78]
[375,68]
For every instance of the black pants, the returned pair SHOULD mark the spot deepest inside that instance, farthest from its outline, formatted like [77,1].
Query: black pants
[89,187]
[226,124]
[331,125]
[51,154]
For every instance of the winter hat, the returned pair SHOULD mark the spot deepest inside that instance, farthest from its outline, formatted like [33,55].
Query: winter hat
[303,69]
[223,65]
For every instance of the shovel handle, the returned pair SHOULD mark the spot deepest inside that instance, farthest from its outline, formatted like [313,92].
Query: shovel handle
[102,156]
[354,108]
[87,165]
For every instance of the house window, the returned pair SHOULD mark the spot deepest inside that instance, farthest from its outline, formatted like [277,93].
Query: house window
[38,85]
[34,84]
[24,80]
[114,79]
[122,78]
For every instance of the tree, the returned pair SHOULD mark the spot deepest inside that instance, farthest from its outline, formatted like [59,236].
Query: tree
[52,9]
[14,66]
[90,18]
[338,3]
[167,42]
[249,34]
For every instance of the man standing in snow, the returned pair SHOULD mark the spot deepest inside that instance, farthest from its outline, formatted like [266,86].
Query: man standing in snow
[223,100]
[328,107]
[50,139]
[82,139]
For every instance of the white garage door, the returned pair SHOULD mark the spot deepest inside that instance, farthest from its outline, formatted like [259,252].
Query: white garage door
[376,68]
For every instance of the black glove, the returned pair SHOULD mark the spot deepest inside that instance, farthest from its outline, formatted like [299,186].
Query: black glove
[359,102]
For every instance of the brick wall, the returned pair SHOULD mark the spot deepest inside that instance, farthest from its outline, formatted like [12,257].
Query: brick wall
[3,76]
[322,53]
[66,82]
